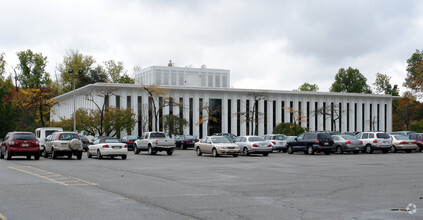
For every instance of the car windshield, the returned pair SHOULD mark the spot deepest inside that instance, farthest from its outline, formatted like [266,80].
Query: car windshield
[251,139]
[158,135]
[401,137]
[24,136]
[349,137]
[218,140]
[382,135]
[189,137]
[132,137]
[110,140]
[49,132]
[279,137]
[68,136]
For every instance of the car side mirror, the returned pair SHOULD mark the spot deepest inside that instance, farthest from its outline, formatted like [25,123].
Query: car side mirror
[296,139]
[208,142]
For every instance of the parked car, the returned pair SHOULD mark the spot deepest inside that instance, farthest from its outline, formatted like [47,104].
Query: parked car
[375,141]
[403,143]
[230,136]
[216,145]
[19,143]
[129,140]
[154,142]
[418,137]
[253,145]
[85,142]
[63,143]
[405,133]
[347,143]
[311,142]
[107,146]
[185,141]
[290,138]
[42,133]
[278,141]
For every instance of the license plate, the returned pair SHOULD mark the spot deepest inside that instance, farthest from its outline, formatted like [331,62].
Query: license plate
[116,147]
[326,143]
[25,145]
[385,142]
[64,144]
[357,148]
[231,151]
[193,141]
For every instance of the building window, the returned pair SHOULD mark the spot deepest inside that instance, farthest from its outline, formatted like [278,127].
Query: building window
[355,116]
[160,114]
[363,116]
[238,118]
[265,116]
[159,77]
[203,80]
[181,78]
[201,116]
[324,116]
[191,116]
[316,113]
[340,117]
[299,114]
[173,76]
[166,77]
[247,110]
[378,115]
[224,80]
[170,106]
[210,82]
[283,112]
[117,101]
[385,117]
[371,121]
[348,117]
[291,115]
[229,116]
[106,101]
[128,102]
[308,115]
[274,114]
[181,107]
[140,125]
[217,80]
[332,118]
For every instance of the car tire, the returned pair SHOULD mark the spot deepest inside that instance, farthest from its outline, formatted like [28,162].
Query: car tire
[265,154]
[53,154]
[36,156]
[136,150]
[78,156]
[150,150]
[235,155]
[214,152]
[408,151]
[1,155]
[385,151]
[356,152]
[339,150]
[123,157]
[198,150]
[28,157]
[290,151]
[284,151]
[99,156]
[70,156]
[310,150]
[393,149]
[245,151]
[327,152]
[89,155]
[45,153]
[169,152]
[112,157]
[369,149]
[7,155]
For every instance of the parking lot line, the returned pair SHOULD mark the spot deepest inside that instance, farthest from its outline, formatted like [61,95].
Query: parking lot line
[48,175]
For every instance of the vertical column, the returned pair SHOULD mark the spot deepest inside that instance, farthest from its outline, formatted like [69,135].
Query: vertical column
[186,112]
[134,107]
[321,117]
[311,116]
[295,109]
[287,109]
[278,110]
[260,131]
[270,116]
[206,102]
[366,115]
[196,115]
[175,97]
[145,115]
[359,115]
[234,110]
[389,115]
[243,108]
[224,114]
[382,115]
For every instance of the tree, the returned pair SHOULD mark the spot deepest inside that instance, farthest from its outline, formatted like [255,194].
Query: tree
[331,112]
[158,102]
[174,124]
[251,115]
[297,118]
[350,80]
[383,85]
[40,101]
[98,74]
[288,129]
[114,70]
[8,114]
[32,70]
[405,111]
[309,87]
[75,60]
[209,116]
[414,78]
[2,66]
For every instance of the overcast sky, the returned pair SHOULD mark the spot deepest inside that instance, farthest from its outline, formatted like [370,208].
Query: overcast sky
[265,44]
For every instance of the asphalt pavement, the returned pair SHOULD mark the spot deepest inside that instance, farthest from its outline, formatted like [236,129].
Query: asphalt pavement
[185,186]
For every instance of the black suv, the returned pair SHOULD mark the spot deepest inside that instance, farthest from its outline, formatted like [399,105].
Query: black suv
[311,142]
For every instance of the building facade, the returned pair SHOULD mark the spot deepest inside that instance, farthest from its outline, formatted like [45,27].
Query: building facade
[202,92]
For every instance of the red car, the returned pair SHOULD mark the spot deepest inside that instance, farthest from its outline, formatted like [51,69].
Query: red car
[20,143]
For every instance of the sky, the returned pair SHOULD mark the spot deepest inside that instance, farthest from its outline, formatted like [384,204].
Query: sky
[266,44]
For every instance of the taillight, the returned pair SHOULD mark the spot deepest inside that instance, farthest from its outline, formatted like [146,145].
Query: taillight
[414,143]
[188,140]
[270,145]
[274,142]
[125,146]
[255,145]
[403,142]
[11,143]
[157,142]
[375,141]
[361,142]
[348,142]
[105,146]
[174,142]
[316,142]
[130,142]
[197,140]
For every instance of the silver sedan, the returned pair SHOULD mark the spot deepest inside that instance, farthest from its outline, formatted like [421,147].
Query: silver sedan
[253,145]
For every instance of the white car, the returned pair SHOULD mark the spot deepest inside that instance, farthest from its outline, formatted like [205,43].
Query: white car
[216,145]
[107,146]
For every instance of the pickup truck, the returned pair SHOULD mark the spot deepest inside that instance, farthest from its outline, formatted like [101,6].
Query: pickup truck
[154,142]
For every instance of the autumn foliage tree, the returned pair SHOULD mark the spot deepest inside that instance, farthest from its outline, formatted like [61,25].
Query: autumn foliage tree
[40,101]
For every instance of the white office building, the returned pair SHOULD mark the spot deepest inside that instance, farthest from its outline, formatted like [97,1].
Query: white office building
[203,90]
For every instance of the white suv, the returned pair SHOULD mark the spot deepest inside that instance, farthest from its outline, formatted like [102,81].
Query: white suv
[375,141]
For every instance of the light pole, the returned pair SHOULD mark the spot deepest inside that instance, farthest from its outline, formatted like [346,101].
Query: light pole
[70,70]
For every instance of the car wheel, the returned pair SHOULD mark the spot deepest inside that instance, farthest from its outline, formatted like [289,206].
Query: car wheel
[78,156]
[199,152]
[136,150]
[284,151]
[7,155]
[150,150]
[408,151]
[310,150]
[215,154]
[53,154]
[369,149]
[339,150]
[70,156]
[89,155]
[37,156]
[290,151]
[28,157]
[266,154]
[45,153]
[169,152]
[356,152]
[99,156]
[245,151]
[235,155]
[393,149]
[385,151]
[1,155]
[112,157]
[327,152]
[123,157]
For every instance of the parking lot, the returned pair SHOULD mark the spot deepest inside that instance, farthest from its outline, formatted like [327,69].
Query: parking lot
[185,186]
